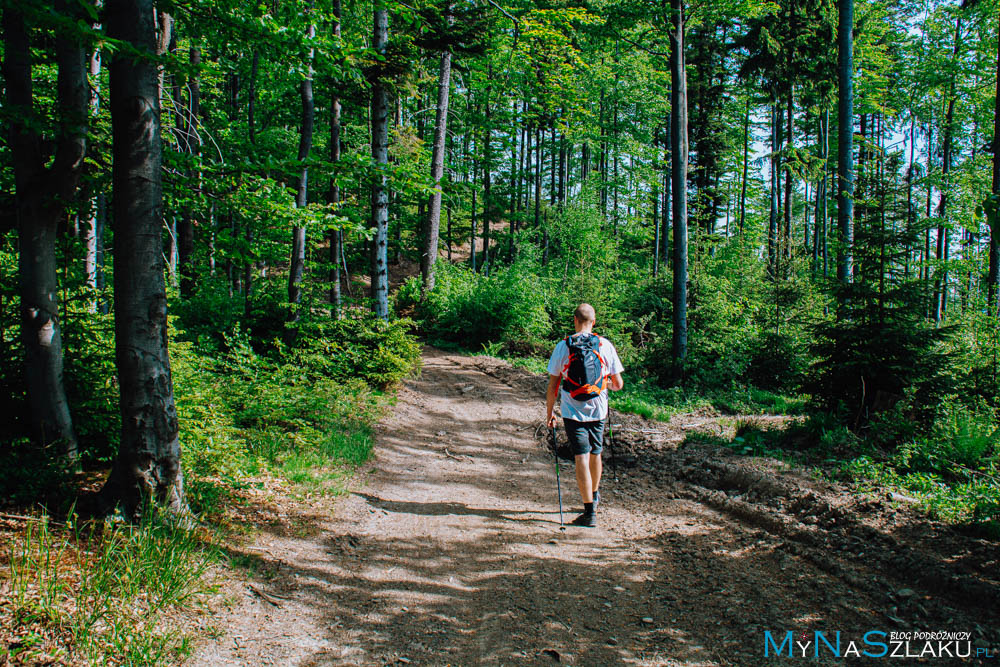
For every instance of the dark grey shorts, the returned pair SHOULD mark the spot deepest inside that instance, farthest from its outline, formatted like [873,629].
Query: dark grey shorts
[585,437]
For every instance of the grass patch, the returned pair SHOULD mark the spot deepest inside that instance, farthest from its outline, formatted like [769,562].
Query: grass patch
[753,401]
[101,593]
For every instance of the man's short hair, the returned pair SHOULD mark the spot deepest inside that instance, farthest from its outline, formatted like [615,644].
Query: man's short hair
[585,313]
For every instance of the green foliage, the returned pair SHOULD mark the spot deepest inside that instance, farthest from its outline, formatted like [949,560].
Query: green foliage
[301,415]
[465,307]
[960,443]
[358,346]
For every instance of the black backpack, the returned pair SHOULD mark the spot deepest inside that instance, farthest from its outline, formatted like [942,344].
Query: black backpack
[583,374]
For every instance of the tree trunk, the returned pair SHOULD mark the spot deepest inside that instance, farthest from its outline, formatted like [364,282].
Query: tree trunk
[41,195]
[538,174]
[786,232]
[679,140]
[487,186]
[380,153]
[826,192]
[943,231]
[772,226]
[185,227]
[909,192]
[925,271]
[746,164]
[845,139]
[94,235]
[666,210]
[474,223]
[433,224]
[336,235]
[656,203]
[252,93]
[562,169]
[147,468]
[993,279]
[297,263]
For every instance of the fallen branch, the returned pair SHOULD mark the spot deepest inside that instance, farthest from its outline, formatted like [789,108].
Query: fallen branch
[269,597]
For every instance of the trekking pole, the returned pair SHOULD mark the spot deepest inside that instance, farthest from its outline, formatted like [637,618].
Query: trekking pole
[552,434]
[611,442]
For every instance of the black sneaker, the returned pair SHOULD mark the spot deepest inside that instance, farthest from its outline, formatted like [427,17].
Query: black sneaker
[597,499]
[585,519]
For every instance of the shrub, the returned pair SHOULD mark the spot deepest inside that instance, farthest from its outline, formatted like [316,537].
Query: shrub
[465,307]
[359,346]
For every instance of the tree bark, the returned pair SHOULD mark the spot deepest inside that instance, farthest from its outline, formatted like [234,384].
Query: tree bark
[94,235]
[772,226]
[380,153]
[147,468]
[538,174]
[41,195]
[487,186]
[298,256]
[656,202]
[826,192]
[845,139]
[679,140]
[746,164]
[336,235]
[433,224]
[993,278]
[943,231]
[185,227]
[667,209]
[786,232]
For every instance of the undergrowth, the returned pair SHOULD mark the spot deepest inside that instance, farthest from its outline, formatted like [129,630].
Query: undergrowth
[258,420]
[101,593]
[951,472]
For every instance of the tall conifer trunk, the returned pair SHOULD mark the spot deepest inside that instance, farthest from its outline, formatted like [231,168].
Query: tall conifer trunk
[993,278]
[845,139]
[679,140]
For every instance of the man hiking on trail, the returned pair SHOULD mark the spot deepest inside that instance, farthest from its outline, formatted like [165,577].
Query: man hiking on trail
[585,365]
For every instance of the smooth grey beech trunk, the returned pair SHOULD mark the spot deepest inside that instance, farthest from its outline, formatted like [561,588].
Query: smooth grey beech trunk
[380,191]
[147,468]
[679,166]
[41,194]
[433,224]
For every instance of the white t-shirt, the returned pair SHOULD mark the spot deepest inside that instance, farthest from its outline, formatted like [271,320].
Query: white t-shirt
[596,408]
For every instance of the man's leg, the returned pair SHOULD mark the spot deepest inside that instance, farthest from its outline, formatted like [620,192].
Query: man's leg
[583,477]
[596,468]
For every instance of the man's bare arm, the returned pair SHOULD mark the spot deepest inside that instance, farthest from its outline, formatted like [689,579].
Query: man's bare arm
[550,399]
[616,382]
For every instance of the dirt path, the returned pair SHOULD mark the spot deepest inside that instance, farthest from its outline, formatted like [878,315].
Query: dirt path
[449,553]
